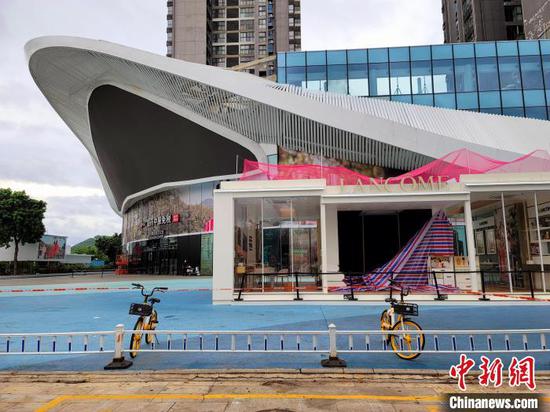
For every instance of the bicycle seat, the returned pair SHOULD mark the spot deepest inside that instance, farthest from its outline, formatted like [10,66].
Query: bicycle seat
[154,300]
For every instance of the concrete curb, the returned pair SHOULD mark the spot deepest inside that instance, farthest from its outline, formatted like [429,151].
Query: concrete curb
[336,372]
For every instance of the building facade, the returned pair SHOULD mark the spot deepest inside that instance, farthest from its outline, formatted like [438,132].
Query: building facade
[231,33]
[507,77]
[489,20]
[537,19]
[482,20]
[169,138]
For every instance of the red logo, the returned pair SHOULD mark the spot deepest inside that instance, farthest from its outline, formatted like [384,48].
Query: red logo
[175,218]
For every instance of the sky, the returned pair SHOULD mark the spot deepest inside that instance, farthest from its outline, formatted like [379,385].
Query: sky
[38,152]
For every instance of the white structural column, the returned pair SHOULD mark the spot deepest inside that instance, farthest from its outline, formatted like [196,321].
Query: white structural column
[470,242]
[329,245]
[324,254]
[224,247]
[506,241]
[540,243]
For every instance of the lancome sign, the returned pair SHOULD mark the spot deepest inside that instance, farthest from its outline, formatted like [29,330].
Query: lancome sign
[404,184]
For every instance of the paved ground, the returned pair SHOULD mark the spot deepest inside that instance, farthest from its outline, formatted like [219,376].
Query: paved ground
[233,391]
[187,306]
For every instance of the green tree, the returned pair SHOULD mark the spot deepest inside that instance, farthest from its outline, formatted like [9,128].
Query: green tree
[110,246]
[21,221]
[89,250]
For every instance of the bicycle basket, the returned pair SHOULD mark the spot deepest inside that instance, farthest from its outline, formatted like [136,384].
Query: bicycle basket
[407,309]
[140,309]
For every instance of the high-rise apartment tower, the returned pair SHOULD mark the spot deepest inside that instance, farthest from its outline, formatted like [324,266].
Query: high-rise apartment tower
[482,20]
[231,33]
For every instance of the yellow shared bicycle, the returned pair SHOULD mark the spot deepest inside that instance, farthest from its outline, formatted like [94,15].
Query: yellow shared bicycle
[408,344]
[148,318]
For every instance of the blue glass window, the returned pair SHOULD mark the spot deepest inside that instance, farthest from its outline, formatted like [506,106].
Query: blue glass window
[421,77]
[336,57]
[357,56]
[534,98]
[531,72]
[281,75]
[400,78]
[424,99]
[443,77]
[512,99]
[487,74]
[281,59]
[513,111]
[507,48]
[378,55]
[467,101]
[462,51]
[316,78]
[399,54]
[545,46]
[445,100]
[444,51]
[509,73]
[489,99]
[529,48]
[492,111]
[316,58]
[536,112]
[421,53]
[379,79]
[296,76]
[338,78]
[465,75]
[358,80]
[486,49]
[402,98]
[295,59]
[546,67]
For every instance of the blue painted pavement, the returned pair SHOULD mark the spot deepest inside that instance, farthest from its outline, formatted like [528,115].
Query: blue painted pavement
[192,310]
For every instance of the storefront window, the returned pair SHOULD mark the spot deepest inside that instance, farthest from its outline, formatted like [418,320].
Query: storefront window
[248,239]
[275,237]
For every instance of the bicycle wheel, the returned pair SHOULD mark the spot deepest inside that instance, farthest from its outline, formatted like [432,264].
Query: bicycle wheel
[407,345]
[135,340]
[151,326]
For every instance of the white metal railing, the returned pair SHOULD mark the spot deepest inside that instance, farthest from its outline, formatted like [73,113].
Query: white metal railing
[330,341]
[58,343]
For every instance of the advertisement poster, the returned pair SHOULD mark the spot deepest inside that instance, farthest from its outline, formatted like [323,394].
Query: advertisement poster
[295,157]
[52,247]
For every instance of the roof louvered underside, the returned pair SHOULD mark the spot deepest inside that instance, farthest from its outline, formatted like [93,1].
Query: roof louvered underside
[251,111]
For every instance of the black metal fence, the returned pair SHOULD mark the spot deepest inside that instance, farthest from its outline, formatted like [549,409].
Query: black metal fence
[439,283]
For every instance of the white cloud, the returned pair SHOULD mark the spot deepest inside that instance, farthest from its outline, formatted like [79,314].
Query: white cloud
[46,191]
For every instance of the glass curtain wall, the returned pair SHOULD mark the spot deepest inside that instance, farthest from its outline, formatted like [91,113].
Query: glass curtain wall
[275,238]
[506,77]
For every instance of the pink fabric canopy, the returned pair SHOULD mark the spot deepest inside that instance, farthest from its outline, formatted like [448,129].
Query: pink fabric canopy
[449,167]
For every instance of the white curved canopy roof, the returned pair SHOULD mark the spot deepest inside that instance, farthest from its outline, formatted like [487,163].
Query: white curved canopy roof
[249,111]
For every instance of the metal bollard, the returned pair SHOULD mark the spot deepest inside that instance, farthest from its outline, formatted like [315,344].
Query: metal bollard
[118,361]
[333,360]
[483,296]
